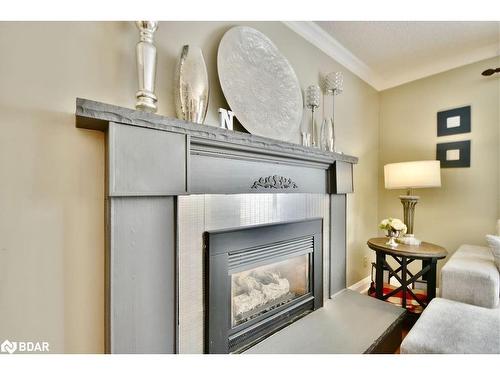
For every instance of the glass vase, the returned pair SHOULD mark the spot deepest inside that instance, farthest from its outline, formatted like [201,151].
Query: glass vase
[316,134]
[328,135]
[191,85]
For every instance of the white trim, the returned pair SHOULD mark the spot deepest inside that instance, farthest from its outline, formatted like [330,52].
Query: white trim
[362,285]
[318,37]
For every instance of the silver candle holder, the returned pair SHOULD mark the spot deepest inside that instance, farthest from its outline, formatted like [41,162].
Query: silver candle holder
[146,67]
[334,83]
[312,102]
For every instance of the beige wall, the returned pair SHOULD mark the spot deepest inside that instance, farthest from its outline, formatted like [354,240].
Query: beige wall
[466,207]
[52,174]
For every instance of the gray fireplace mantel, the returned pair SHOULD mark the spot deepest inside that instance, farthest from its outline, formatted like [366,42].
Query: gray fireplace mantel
[151,160]
[206,159]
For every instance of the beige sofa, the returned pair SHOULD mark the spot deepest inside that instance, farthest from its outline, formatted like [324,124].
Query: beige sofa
[467,317]
[471,276]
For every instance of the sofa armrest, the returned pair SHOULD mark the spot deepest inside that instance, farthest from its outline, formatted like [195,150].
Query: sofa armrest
[474,280]
[454,328]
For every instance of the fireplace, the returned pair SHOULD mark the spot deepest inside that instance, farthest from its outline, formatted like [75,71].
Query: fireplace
[259,279]
[169,184]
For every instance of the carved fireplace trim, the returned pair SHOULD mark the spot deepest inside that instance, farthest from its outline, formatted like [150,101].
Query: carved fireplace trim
[151,160]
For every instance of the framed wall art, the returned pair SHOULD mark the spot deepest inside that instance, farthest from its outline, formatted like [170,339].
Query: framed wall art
[454,121]
[454,154]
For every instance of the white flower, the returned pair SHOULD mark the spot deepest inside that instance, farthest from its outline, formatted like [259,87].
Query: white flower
[393,224]
[397,224]
[384,224]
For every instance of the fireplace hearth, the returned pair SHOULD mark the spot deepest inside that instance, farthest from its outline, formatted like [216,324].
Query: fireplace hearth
[260,278]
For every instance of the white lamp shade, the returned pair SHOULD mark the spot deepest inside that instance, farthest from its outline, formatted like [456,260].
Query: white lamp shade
[413,175]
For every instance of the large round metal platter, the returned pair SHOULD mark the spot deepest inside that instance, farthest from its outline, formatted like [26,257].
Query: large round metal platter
[259,84]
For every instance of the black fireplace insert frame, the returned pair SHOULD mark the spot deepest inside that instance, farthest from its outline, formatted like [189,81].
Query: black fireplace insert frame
[220,337]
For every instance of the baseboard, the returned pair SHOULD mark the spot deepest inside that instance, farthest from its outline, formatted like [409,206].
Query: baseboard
[362,285]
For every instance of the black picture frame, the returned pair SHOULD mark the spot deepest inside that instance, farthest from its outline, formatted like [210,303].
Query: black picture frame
[463,148]
[446,125]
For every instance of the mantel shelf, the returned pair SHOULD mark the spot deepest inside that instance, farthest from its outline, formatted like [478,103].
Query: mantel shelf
[95,115]
[152,155]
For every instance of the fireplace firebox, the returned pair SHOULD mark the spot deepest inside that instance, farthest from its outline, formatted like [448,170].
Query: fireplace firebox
[260,279]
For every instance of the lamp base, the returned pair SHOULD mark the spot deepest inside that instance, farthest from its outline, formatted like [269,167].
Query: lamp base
[409,201]
[409,239]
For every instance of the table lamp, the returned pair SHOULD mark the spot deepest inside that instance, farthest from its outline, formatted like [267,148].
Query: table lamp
[411,175]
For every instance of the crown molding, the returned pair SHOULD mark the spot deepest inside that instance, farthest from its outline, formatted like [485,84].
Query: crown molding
[318,37]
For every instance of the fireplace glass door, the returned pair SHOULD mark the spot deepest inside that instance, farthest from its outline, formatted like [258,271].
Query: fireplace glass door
[260,279]
[260,289]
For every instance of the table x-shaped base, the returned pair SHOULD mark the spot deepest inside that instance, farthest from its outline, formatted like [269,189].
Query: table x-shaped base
[407,278]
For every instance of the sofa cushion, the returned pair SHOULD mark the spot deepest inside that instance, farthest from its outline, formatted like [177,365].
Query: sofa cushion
[474,251]
[453,327]
[470,276]
[494,242]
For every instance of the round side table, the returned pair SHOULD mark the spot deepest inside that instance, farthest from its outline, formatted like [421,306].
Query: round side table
[405,254]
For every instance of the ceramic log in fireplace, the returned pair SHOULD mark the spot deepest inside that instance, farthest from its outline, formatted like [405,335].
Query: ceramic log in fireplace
[260,278]
[167,182]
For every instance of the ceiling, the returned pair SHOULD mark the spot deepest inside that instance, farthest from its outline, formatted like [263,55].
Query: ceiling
[390,53]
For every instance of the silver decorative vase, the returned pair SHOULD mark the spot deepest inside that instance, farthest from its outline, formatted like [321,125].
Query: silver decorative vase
[146,66]
[392,234]
[191,86]
[391,242]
